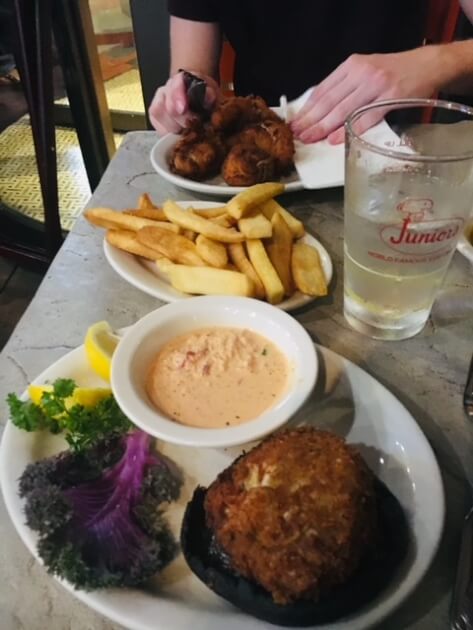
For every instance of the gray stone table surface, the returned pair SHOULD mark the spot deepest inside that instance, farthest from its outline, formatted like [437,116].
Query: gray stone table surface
[427,373]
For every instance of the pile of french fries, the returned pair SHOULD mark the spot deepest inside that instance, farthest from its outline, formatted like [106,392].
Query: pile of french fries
[250,246]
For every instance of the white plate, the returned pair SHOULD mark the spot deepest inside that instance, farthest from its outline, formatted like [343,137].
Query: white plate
[358,407]
[161,153]
[143,274]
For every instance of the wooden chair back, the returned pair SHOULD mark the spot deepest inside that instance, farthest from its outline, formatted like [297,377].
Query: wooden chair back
[442,21]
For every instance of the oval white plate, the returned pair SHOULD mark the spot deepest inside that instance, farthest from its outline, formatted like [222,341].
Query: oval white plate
[161,153]
[143,274]
[365,411]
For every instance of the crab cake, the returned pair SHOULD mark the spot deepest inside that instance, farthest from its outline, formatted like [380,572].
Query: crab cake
[296,514]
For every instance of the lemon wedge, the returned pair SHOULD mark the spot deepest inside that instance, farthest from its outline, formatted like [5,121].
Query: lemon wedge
[100,343]
[86,396]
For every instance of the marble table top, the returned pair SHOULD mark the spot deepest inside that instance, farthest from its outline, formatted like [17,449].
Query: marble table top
[427,373]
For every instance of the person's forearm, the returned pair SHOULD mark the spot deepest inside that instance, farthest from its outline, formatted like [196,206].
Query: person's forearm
[195,46]
[452,65]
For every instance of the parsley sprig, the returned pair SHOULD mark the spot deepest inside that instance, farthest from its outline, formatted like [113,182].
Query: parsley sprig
[82,426]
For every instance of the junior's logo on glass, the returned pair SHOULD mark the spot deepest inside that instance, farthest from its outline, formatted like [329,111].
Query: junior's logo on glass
[422,238]
[416,208]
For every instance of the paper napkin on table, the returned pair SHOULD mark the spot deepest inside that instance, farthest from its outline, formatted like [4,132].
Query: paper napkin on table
[322,165]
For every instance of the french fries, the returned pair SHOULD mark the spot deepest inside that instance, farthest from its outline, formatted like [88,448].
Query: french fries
[224,220]
[144,202]
[128,242]
[156,214]
[210,281]
[257,226]
[272,283]
[190,221]
[163,265]
[253,197]
[279,249]
[241,262]
[114,219]
[103,223]
[147,209]
[177,248]
[250,247]
[307,270]
[212,252]
[270,207]
[210,213]
[189,234]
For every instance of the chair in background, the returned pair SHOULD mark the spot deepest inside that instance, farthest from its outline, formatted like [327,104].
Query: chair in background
[227,65]
[442,21]
[70,20]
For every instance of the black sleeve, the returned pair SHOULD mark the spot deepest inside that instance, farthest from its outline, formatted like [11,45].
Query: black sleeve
[196,10]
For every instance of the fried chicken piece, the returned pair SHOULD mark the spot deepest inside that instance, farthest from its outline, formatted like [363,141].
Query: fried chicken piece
[275,138]
[236,121]
[247,165]
[198,154]
[235,112]
[296,514]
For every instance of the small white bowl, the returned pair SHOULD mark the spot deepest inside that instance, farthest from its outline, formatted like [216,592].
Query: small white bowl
[464,245]
[135,352]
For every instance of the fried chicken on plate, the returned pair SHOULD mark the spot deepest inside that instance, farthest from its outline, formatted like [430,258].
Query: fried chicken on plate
[234,113]
[273,137]
[246,165]
[198,154]
[245,135]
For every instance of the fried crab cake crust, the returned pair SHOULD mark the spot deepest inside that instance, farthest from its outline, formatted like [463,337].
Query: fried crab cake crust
[296,514]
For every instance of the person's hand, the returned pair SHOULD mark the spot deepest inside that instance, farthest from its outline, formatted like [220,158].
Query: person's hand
[169,110]
[360,80]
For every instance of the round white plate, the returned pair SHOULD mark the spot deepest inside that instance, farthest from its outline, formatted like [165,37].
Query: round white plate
[143,274]
[160,156]
[357,406]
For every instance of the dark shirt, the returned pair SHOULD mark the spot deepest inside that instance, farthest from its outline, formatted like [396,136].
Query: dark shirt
[285,47]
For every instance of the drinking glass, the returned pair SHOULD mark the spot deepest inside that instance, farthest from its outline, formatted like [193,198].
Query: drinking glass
[408,192]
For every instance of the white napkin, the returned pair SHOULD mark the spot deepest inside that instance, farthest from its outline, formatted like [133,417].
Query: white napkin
[322,165]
